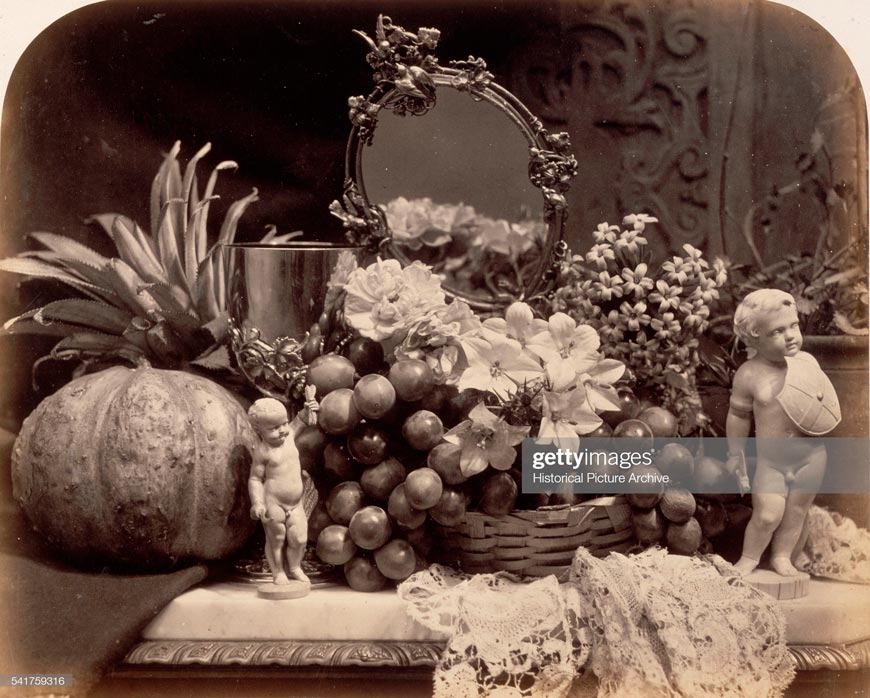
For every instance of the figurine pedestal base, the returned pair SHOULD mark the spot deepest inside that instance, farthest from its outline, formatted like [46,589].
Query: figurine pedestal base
[294,590]
[777,586]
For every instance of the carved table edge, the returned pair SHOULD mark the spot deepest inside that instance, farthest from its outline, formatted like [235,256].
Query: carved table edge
[850,656]
[291,653]
[843,657]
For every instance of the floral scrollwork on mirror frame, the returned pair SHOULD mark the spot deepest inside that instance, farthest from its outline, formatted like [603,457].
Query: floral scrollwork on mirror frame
[409,81]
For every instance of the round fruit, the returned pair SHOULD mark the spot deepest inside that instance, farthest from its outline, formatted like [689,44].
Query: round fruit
[423,430]
[633,429]
[311,442]
[396,560]
[605,431]
[676,461]
[380,480]
[411,378]
[684,539]
[330,372]
[712,517]
[661,422]
[318,520]
[344,501]
[338,414]
[450,509]
[649,526]
[498,494]
[423,488]
[366,355]
[444,460]
[374,396]
[368,444]
[649,486]
[438,399]
[335,546]
[362,574]
[677,506]
[338,466]
[137,468]
[422,540]
[629,406]
[402,511]
[710,476]
[370,528]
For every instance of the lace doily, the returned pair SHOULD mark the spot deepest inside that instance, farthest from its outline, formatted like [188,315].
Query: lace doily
[673,626]
[507,639]
[836,548]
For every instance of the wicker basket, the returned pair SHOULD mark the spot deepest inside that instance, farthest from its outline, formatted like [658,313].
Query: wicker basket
[537,543]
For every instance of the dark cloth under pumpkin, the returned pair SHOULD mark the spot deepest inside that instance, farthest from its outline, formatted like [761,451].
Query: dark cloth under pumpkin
[58,620]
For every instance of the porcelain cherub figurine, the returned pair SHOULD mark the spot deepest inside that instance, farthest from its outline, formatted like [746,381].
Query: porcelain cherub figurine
[277,489]
[785,391]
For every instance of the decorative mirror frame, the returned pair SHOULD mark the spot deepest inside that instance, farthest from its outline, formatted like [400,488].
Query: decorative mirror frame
[406,75]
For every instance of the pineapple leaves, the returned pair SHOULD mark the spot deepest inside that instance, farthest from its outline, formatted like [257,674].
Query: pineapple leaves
[34,267]
[159,186]
[90,314]
[132,289]
[67,248]
[160,297]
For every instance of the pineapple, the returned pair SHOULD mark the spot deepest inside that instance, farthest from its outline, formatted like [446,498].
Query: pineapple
[161,300]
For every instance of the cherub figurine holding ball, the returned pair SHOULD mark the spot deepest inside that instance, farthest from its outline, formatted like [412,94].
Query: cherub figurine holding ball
[785,391]
[278,491]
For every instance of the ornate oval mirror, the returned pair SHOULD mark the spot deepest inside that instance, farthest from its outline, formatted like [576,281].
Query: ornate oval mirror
[447,167]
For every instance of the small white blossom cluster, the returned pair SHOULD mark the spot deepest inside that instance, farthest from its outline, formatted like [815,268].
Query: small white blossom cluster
[649,319]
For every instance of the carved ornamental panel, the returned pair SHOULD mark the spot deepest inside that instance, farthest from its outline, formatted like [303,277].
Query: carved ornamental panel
[630,82]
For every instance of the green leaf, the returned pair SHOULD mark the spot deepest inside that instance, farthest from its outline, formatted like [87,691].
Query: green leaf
[22,325]
[231,221]
[169,253]
[217,360]
[189,180]
[93,314]
[208,196]
[159,186]
[132,248]
[91,342]
[206,302]
[131,288]
[171,298]
[39,269]
[68,248]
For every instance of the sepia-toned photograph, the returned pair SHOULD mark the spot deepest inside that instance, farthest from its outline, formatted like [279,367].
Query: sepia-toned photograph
[451,348]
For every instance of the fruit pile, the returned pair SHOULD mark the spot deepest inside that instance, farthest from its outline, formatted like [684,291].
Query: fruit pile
[680,516]
[684,522]
[380,463]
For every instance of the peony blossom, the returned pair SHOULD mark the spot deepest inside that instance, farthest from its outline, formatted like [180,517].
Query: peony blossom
[384,300]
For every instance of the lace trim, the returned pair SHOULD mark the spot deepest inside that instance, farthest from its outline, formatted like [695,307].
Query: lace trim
[836,548]
[651,624]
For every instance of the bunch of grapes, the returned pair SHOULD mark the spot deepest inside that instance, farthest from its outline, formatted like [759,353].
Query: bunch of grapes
[378,458]
[684,522]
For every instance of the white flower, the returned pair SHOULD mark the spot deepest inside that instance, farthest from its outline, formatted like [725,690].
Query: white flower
[566,348]
[500,369]
[384,300]
[519,323]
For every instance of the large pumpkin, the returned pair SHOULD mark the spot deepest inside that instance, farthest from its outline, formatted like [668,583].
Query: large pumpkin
[139,468]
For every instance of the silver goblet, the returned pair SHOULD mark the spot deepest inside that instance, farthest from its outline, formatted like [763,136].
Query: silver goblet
[275,295]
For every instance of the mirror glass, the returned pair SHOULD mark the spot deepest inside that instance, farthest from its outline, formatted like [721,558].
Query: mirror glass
[454,186]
